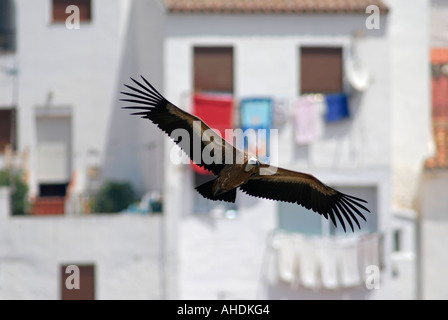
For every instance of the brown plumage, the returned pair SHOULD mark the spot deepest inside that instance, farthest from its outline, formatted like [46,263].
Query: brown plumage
[245,172]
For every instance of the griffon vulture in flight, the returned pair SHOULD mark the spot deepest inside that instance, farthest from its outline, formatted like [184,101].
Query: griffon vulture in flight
[275,183]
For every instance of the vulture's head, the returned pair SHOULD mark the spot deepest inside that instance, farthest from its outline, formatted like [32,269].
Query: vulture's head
[251,163]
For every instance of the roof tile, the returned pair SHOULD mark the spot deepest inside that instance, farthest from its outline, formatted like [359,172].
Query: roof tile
[272,6]
[439,55]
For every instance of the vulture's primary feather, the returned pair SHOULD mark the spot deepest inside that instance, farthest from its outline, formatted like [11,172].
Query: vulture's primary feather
[274,183]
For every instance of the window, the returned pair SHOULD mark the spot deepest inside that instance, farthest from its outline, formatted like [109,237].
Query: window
[59,7]
[7,129]
[397,237]
[82,275]
[320,70]
[295,218]
[213,69]
[7,26]
[54,152]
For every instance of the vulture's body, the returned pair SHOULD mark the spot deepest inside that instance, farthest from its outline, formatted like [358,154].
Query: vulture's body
[245,172]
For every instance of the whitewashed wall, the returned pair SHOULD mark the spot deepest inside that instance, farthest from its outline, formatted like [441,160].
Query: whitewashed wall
[410,107]
[134,147]
[126,250]
[434,206]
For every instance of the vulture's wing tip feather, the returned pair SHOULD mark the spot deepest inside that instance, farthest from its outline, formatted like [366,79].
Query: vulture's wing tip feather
[137,107]
[338,208]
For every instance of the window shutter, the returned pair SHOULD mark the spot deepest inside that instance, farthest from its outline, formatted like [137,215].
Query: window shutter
[213,69]
[320,70]
[59,7]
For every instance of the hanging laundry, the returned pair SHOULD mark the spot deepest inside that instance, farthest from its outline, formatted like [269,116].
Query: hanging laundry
[281,112]
[307,118]
[316,263]
[308,263]
[328,263]
[337,107]
[217,111]
[349,262]
[369,252]
[256,114]
[286,259]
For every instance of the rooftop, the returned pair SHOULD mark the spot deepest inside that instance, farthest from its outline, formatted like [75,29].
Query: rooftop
[272,6]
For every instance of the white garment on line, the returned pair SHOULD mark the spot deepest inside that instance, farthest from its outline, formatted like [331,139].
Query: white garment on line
[307,263]
[349,262]
[286,260]
[328,262]
[369,252]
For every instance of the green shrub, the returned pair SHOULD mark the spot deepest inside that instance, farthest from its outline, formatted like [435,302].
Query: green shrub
[113,197]
[19,191]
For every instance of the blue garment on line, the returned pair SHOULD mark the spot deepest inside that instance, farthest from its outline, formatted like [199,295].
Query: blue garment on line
[337,107]
[256,113]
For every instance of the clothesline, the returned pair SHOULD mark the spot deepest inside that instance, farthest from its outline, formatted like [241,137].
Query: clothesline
[325,263]
[310,112]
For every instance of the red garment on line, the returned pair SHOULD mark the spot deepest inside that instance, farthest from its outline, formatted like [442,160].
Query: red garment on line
[216,110]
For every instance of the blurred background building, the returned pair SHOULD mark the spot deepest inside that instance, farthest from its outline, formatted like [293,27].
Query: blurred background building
[348,86]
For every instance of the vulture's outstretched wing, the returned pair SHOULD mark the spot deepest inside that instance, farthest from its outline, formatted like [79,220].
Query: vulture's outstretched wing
[306,190]
[168,117]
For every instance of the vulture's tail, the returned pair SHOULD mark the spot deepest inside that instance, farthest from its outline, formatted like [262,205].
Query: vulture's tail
[206,191]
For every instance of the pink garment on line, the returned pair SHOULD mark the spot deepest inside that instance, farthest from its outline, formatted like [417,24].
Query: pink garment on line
[305,114]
